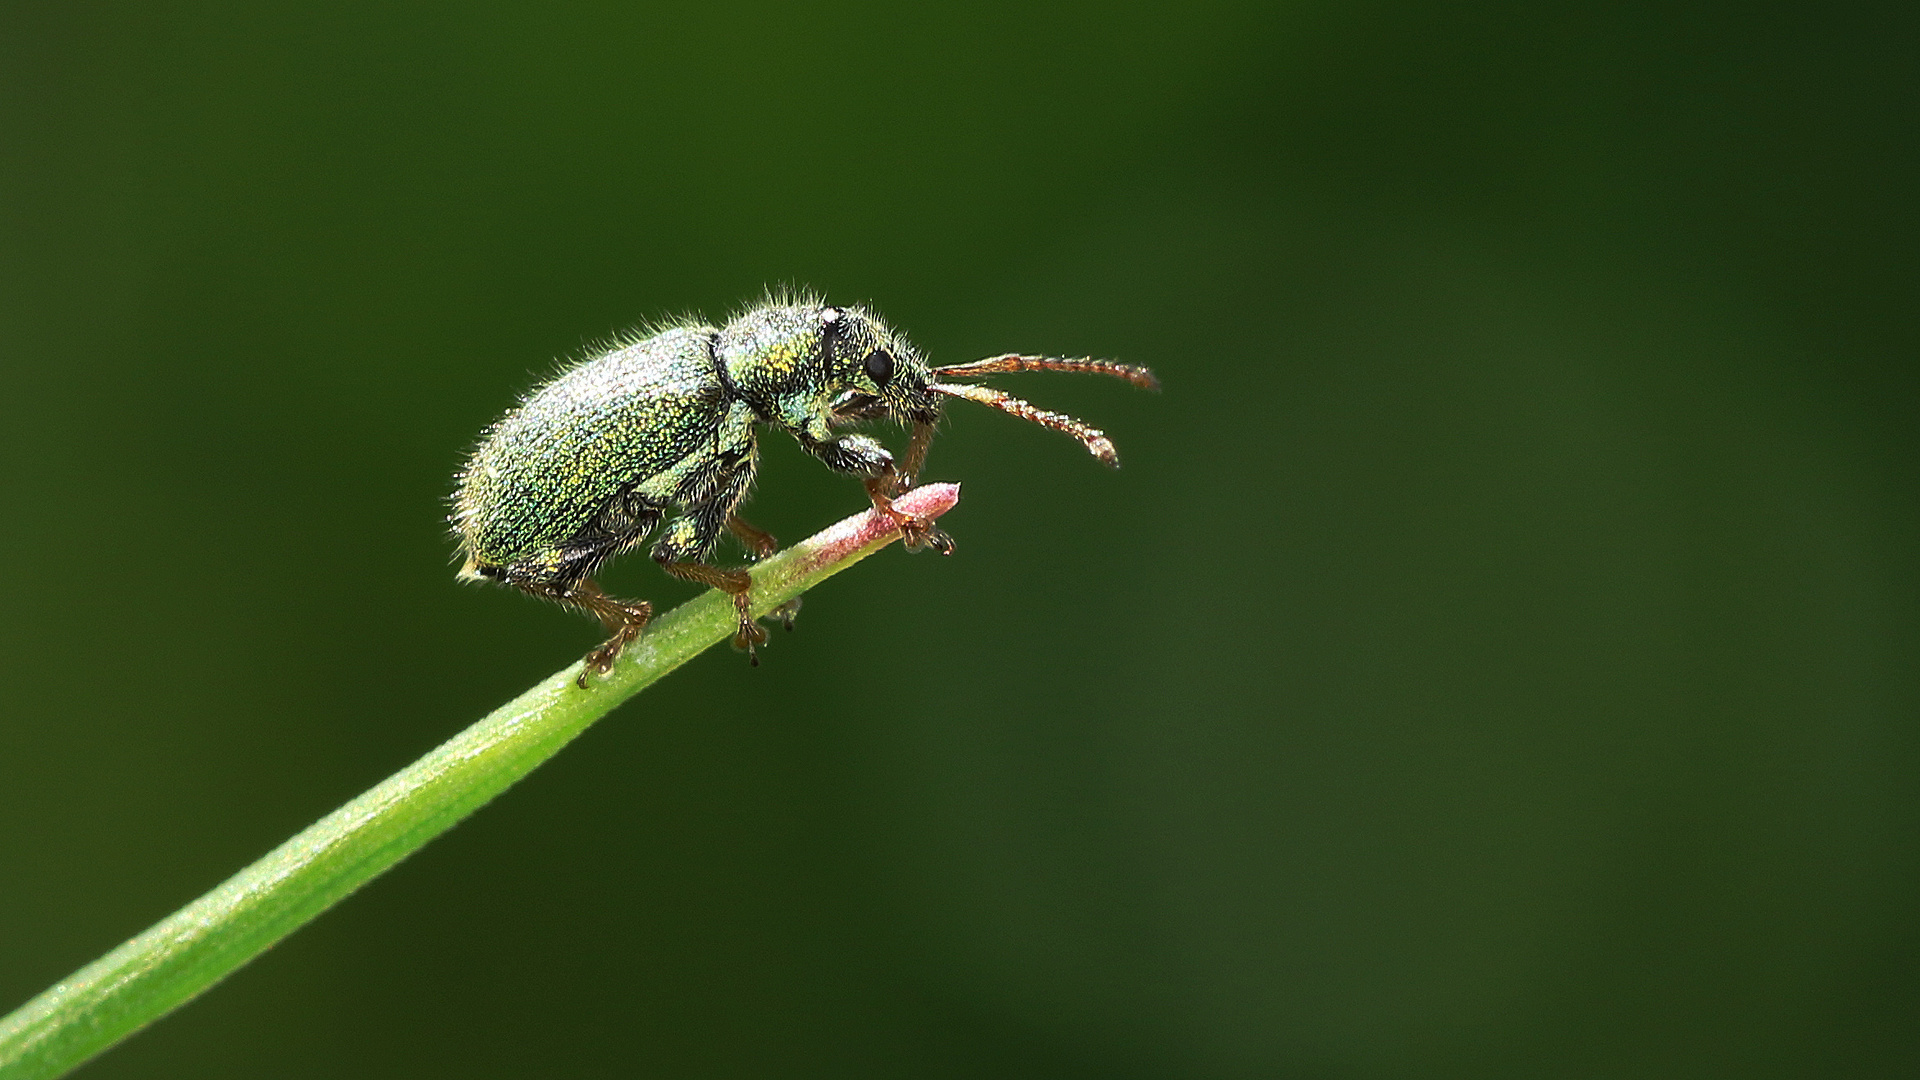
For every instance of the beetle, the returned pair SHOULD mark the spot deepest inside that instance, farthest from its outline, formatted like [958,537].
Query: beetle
[661,428]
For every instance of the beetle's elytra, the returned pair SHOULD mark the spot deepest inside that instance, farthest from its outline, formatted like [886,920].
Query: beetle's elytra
[662,429]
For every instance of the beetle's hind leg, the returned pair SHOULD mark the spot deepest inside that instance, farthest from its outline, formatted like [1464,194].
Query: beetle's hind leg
[624,619]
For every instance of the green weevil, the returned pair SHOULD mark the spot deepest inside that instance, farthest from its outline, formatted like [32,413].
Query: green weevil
[662,427]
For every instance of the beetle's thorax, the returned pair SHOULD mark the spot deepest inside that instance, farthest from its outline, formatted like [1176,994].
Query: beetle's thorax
[792,363]
[768,352]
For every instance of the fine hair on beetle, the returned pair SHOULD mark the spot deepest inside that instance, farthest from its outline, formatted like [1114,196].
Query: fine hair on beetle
[659,431]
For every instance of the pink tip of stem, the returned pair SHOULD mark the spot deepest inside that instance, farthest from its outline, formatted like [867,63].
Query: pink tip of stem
[928,500]
[840,540]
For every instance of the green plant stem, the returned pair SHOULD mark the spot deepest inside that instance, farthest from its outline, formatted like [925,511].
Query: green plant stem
[208,939]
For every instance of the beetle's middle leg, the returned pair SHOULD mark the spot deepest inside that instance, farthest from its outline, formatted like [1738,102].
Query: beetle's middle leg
[760,544]
[735,583]
[685,542]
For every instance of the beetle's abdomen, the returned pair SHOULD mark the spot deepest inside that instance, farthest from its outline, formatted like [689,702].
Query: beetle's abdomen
[603,429]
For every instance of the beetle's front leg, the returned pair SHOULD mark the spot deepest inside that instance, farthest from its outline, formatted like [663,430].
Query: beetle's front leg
[915,459]
[917,533]
[865,457]
[758,542]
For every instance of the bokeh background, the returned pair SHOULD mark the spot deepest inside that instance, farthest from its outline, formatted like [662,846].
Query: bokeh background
[1497,657]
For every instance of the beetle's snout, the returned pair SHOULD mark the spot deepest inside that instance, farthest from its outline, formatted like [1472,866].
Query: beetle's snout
[854,405]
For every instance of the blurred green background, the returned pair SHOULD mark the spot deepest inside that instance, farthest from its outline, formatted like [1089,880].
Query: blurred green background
[1497,657]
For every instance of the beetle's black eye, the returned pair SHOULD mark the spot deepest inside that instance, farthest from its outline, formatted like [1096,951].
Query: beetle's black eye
[880,368]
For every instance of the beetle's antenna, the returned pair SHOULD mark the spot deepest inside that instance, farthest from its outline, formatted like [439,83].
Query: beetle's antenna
[1093,438]
[995,365]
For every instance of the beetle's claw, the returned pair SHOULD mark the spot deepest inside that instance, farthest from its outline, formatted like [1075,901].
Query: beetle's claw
[785,613]
[920,534]
[600,661]
[750,635]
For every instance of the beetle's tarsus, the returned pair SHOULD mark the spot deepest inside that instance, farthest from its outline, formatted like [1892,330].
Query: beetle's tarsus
[918,533]
[920,540]
[785,613]
[600,661]
[624,619]
[751,634]
[736,583]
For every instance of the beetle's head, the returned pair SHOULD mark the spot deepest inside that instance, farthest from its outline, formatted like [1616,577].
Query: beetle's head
[871,371]
[810,366]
